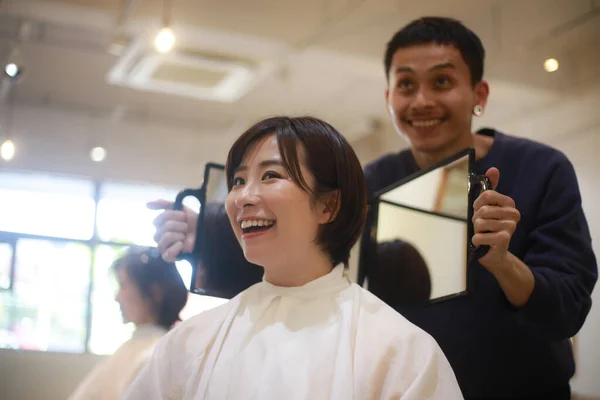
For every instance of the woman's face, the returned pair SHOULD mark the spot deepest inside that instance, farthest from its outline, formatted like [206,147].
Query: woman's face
[275,221]
[134,306]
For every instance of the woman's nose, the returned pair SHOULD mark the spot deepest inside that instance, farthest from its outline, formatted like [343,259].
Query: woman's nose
[248,196]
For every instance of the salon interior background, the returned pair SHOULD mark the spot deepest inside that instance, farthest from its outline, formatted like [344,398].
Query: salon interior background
[90,77]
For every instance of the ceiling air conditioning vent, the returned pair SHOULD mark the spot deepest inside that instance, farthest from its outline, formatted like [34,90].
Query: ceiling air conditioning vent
[196,73]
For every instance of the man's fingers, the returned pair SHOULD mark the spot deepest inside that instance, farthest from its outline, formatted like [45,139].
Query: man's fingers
[491,197]
[494,225]
[494,176]
[495,212]
[169,239]
[168,215]
[172,252]
[501,238]
[170,226]
[160,204]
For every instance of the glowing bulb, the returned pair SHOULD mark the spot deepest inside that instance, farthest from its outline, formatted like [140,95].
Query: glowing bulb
[551,65]
[165,40]
[11,69]
[98,154]
[7,151]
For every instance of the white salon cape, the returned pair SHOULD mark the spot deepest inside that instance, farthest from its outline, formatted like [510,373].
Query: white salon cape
[328,339]
[111,378]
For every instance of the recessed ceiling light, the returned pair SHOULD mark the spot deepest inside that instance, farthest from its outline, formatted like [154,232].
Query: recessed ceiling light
[7,150]
[98,154]
[551,65]
[164,41]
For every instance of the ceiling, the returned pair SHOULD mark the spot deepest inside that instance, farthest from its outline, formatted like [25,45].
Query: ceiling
[320,57]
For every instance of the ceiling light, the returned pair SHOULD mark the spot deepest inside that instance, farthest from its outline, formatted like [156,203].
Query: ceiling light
[11,70]
[14,66]
[165,40]
[7,150]
[98,154]
[551,65]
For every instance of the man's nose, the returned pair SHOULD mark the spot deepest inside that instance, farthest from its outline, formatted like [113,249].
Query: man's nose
[423,99]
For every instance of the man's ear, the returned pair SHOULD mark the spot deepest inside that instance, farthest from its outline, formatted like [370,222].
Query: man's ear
[329,206]
[482,91]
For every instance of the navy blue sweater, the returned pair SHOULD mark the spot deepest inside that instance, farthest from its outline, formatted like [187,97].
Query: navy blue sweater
[495,349]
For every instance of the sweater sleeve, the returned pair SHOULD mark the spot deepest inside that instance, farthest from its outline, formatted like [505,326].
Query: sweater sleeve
[561,258]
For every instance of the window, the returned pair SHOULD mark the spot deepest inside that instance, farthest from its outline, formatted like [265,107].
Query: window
[61,243]
[122,213]
[6,254]
[46,308]
[46,205]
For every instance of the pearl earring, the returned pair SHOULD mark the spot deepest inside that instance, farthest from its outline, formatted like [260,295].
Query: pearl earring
[478,110]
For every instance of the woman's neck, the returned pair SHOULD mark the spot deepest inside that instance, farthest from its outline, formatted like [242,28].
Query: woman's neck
[298,271]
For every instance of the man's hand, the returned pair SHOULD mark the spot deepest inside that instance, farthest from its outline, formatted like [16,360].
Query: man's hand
[175,230]
[495,219]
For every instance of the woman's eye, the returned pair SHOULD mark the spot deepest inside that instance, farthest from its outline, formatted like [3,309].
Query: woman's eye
[238,181]
[270,175]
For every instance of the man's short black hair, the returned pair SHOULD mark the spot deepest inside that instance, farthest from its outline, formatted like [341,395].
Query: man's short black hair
[441,31]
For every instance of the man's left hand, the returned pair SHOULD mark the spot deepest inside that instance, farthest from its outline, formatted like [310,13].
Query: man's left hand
[495,219]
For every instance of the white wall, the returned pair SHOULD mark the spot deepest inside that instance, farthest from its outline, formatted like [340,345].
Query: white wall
[33,375]
[58,140]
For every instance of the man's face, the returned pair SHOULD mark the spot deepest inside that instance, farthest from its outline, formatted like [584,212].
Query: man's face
[431,98]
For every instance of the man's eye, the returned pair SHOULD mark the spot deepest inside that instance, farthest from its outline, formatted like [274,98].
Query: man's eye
[405,84]
[442,82]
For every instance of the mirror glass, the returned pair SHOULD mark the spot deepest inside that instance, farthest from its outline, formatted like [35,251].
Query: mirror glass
[216,184]
[419,242]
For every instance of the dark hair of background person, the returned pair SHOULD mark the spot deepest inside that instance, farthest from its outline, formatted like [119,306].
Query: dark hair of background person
[146,269]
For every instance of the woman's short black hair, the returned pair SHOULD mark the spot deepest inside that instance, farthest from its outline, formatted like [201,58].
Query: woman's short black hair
[147,270]
[333,163]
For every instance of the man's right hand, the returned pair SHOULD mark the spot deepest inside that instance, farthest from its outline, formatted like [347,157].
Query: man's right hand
[175,230]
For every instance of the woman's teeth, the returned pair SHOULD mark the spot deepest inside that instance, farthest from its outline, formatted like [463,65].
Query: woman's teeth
[425,124]
[255,222]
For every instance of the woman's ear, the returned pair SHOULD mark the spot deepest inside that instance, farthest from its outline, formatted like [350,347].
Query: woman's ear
[157,294]
[329,206]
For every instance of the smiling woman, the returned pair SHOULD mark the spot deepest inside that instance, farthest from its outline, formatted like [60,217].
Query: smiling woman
[288,174]
[297,205]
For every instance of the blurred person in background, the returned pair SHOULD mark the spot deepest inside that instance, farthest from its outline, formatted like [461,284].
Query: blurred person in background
[151,294]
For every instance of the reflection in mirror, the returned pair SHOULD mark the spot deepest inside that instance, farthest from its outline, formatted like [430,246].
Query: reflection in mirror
[443,190]
[439,244]
[419,242]
[216,185]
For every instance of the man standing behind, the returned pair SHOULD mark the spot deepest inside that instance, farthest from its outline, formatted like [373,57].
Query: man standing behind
[509,338]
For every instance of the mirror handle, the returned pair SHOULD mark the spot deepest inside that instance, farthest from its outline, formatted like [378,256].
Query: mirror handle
[178,206]
[484,184]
